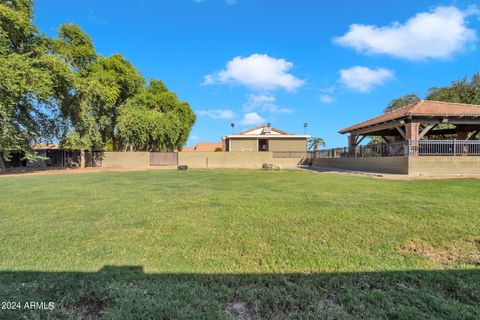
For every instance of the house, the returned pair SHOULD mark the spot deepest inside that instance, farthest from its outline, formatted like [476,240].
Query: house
[204,147]
[265,138]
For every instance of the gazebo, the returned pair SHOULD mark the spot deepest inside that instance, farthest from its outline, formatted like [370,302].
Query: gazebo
[423,128]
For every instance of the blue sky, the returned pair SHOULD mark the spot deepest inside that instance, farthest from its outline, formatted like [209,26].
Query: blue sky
[330,64]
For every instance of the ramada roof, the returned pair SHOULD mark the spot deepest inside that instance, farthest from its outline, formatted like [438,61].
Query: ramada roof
[421,108]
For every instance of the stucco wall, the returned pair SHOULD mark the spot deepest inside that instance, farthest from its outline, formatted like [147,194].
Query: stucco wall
[232,160]
[126,159]
[398,165]
[224,159]
[467,165]
[200,160]
[287,145]
[243,144]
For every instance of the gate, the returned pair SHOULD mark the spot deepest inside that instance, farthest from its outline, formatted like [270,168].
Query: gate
[163,158]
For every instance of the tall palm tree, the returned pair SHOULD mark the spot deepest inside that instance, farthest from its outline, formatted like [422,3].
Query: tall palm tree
[314,143]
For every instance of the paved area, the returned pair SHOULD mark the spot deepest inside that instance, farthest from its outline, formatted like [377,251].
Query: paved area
[387,175]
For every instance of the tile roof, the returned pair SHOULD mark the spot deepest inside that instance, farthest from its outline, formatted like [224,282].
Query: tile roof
[260,127]
[421,108]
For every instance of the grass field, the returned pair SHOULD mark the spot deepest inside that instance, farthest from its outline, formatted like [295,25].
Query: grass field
[240,244]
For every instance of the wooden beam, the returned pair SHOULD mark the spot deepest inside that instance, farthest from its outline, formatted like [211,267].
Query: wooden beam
[426,130]
[440,132]
[474,135]
[359,139]
[402,133]
[379,127]
[450,121]
[385,139]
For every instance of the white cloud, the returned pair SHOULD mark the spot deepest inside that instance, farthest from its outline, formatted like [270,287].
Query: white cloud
[326,95]
[258,72]
[194,137]
[217,113]
[251,118]
[363,79]
[437,34]
[326,98]
[263,102]
[328,90]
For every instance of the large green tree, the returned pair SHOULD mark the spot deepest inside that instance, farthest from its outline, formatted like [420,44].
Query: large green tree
[460,91]
[154,120]
[60,89]
[402,102]
[28,86]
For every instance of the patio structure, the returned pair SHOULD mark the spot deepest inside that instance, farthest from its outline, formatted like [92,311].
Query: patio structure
[439,131]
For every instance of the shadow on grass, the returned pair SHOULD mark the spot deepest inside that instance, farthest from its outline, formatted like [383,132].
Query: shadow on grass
[129,293]
[26,170]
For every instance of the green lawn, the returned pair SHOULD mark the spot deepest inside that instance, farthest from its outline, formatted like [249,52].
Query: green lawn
[241,244]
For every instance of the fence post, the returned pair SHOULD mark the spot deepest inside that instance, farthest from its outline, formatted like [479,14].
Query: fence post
[454,147]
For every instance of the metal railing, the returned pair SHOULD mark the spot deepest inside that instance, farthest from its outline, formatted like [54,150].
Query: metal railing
[289,154]
[444,147]
[405,148]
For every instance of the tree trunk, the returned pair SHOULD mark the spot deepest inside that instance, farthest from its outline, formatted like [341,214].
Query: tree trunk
[82,158]
[2,164]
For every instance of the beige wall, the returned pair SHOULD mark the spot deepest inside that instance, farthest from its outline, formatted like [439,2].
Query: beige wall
[287,145]
[413,166]
[397,165]
[232,160]
[444,165]
[243,144]
[200,159]
[126,159]
[273,144]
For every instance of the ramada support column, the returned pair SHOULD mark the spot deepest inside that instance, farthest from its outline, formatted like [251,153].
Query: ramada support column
[352,140]
[412,134]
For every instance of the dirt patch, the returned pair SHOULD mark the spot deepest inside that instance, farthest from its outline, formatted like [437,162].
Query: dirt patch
[90,307]
[239,311]
[458,252]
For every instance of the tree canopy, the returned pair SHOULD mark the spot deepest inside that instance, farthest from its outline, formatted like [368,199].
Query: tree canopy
[61,89]
[28,111]
[460,91]
[402,102]
[154,120]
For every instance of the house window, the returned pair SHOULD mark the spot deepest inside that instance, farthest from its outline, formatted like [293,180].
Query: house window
[263,145]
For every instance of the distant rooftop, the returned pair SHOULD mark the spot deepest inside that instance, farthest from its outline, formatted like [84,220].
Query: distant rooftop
[263,130]
[203,147]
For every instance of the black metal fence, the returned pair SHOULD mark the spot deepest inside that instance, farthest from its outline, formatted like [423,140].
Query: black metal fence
[289,154]
[406,148]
